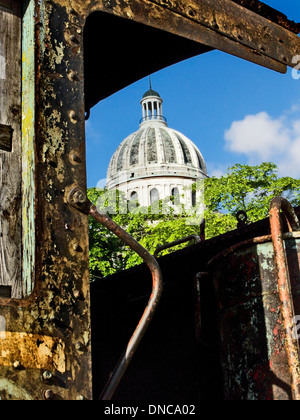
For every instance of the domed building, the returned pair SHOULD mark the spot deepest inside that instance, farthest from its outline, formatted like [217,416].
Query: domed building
[156,162]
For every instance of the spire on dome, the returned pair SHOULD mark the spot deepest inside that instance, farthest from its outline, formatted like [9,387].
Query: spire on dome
[152,106]
[151,92]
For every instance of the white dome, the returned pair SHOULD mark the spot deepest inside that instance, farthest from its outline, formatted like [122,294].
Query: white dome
[155,150]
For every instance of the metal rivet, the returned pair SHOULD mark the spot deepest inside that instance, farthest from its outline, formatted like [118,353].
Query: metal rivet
[77,247]
[74,39]
[47,375]
[79,346]
[77,294]
[49,394]
[79,197]
[17,364]
[72,76]
[72,115]
[76,158]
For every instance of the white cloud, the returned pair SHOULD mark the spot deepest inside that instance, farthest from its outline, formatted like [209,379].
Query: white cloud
[216,169]
[263,138]
[101,183]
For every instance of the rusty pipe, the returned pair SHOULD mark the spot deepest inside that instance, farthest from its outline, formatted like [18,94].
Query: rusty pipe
[160,248]
[284,288]
[78,199]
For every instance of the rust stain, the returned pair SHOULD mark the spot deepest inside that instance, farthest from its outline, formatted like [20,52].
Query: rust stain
[32,351]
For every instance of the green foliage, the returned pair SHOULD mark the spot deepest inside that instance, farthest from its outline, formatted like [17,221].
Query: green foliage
[243,187]
[151,228]
[247,188]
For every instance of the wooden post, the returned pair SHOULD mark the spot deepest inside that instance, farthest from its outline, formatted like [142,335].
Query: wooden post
[10,147]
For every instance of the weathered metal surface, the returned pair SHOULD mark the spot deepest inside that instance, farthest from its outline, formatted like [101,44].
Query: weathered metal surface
[20,350]
[253,350]
[54,308]
[284,286]
[270,13]
[79,200]
[241,25]
[51,324]
[240,36]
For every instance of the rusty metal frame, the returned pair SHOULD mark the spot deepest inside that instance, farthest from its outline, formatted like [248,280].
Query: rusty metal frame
[78,199]
[278,237]
[284,288]
[56,316]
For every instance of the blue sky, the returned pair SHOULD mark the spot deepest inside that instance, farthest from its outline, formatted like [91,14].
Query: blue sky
[234,111]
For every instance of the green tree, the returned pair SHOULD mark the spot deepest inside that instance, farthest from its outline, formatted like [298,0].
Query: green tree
[243,187]
[151,227]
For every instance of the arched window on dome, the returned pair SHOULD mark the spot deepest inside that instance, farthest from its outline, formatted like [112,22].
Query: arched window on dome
[134,196]
[175,198]
[154,195]
[194,198]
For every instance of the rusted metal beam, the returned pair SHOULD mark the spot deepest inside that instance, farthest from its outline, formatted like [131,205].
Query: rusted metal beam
[270,13]
[240,25]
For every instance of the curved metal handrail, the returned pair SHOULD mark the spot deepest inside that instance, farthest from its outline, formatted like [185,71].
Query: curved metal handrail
[284,287]
[78,199]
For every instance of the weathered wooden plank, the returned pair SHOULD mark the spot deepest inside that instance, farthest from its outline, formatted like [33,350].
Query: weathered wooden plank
[240,25]
[28,148]
[10,158]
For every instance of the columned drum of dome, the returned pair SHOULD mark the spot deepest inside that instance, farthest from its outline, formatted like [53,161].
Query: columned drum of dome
[155,158]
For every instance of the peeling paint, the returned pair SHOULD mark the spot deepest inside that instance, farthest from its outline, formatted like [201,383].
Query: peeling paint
[251,327]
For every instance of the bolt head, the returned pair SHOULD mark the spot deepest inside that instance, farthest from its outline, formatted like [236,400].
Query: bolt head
[47,376]
[79,197]
[49,394]
[17,364]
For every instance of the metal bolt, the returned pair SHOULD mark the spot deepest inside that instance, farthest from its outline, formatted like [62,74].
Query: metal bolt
[77,247]
[79,197]
[77,294]
[73,116]
[72,76]
[49,394]
[74,39]
[47,376]
[76,158]
[79,346]
[17,364]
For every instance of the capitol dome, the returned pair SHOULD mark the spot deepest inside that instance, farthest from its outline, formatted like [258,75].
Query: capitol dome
[156,161]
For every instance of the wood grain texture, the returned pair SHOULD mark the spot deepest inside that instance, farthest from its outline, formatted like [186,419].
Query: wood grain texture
[10,161]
